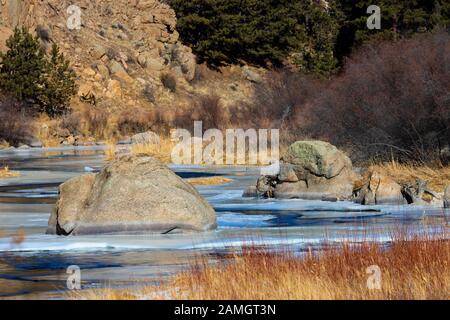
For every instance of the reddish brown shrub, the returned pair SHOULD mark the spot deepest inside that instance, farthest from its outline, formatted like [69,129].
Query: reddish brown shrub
[392,100]
[135,120]
[14,122]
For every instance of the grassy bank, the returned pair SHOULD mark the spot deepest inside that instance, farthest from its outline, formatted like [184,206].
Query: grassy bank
[437,177]
[417,268]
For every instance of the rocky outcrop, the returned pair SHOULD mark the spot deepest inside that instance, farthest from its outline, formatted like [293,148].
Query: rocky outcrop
[447,197]
[121,47]
[380,190]
[310,170]
[131,194]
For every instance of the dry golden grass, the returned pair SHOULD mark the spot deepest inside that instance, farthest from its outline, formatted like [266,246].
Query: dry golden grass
[19,237]
[6,173]
[161,151]
[110,151]
[417,268]
[208,181]
[438,178]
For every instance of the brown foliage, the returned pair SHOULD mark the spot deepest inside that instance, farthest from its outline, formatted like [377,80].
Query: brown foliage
[14,121]
[135,120]
[207,108]
[391,101]
[277,100]
[412,267]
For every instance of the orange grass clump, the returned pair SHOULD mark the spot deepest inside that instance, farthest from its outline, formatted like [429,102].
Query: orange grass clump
[208,181]
[6,173]
[110,151]
[410,269]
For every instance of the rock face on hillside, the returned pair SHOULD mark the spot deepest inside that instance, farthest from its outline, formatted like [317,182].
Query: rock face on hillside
[121,48]
[131,194]
[311,170]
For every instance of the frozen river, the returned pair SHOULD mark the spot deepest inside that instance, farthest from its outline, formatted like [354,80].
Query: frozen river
[33,264]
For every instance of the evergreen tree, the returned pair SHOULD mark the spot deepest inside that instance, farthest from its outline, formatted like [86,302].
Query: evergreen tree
[23,68]
[260,32]
[60,85]
[399,19]
[45,84]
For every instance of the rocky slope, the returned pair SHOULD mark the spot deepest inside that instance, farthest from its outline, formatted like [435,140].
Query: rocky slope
[122,46]
[122,52]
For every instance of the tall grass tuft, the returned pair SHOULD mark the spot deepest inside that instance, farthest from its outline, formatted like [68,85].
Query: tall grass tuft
[6,173]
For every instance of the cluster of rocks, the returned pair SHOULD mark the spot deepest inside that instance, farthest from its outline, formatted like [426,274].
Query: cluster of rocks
[317,170]
[130,194]
[312,170]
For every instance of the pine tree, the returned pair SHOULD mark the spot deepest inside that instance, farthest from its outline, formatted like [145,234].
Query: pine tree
[23,68]
[260,32]
[399,19]
[41,83]
[60,84]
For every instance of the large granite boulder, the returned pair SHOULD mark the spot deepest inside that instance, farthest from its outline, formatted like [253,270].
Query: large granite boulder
[313,170]
[130,194]
[447,197]
[316,158]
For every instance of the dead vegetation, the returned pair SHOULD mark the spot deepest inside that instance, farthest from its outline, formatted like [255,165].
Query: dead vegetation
[6,173]
[208,181]
[437,178]
[411,268]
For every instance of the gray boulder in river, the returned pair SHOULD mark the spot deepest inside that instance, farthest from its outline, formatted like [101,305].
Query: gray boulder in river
[131,194]
[313,170]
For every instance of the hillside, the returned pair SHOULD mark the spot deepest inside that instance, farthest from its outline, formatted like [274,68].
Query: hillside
[127,54]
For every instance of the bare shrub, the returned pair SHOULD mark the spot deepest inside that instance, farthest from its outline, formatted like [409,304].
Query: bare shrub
[391,101]
[14,122]
[72,122]
[204,74]
[149,93]
[278,102]
[169,81]
[88,121]
[209,109]
[135,120]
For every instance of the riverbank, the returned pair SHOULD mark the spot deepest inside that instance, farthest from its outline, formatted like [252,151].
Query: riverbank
[37,267]
[415,268]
